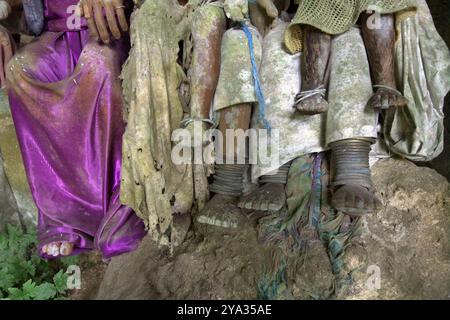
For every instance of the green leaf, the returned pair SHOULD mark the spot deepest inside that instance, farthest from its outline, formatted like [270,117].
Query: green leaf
[44,291]
[6,279]
[3,242]
[28,289]
[60,281]
[24,275]
[15,294]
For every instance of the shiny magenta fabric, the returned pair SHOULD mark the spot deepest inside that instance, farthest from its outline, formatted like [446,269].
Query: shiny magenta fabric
[66,100]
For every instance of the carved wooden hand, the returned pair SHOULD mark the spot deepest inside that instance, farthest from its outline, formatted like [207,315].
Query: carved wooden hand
[101,27]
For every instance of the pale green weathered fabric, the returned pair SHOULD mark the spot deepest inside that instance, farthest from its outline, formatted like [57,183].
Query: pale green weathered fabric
[416,132]
[281,81]
[236,80]
[151,183]
[350,88]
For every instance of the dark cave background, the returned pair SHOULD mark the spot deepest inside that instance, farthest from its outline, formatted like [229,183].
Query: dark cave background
[441,14]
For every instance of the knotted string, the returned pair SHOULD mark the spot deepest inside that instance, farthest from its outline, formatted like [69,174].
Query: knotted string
[310,93]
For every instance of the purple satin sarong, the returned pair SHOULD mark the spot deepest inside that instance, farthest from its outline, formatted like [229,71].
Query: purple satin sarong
[66,101]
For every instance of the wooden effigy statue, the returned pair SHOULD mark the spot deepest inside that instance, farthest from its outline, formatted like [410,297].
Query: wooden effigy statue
[166,86]
[321,21]
[66,102]
[244,62]
[351,67]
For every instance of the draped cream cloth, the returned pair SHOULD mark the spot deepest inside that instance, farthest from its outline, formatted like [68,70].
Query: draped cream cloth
[423,75]
[235,84]
[280,78]
[422,68]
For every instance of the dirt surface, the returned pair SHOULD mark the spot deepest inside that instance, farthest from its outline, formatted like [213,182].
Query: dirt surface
[405,246]
[408,241]
[217,266]
[92,271]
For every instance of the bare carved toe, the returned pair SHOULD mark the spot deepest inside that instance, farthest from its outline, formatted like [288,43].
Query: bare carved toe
[221,211]
[312,105]
[57,249]
[269,197]
[53,249]
[355,200]
[66,249]
[387,98]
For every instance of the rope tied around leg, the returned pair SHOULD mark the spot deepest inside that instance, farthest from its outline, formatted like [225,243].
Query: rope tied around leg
[302,96]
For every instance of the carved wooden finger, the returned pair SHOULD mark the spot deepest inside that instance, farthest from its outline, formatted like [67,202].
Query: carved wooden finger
[89,16]
[34,15]
[111,18]
[120,12]
[80,10]
[100,21]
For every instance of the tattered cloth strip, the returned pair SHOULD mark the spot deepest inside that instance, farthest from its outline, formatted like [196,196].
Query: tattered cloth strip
[308,218]
[152,184]
[337,242]
[303,189]
[337,16]
[273,285]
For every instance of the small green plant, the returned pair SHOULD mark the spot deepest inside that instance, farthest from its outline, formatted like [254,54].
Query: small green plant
[26,276]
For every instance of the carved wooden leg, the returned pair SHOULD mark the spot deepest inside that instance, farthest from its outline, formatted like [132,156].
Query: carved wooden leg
[352,187]
[207,33]
[271,195]
[222,210]
[379,39]
[317,48]
[234,118]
